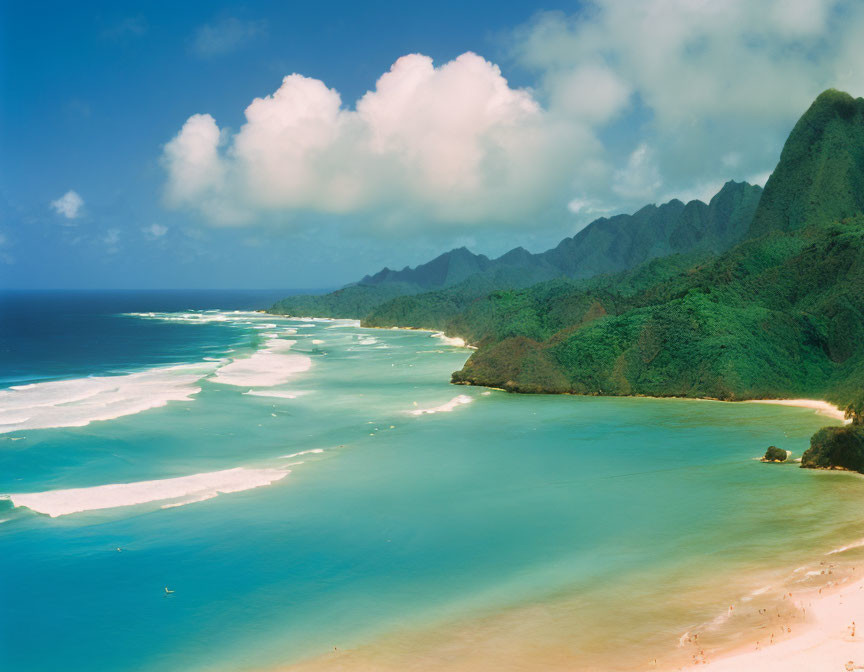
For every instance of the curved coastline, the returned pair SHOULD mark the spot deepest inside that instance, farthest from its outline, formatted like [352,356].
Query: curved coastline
[825,408]
[816,619]
[800,624]
[826,639]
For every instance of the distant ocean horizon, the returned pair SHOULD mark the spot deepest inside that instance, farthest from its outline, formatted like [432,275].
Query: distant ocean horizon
[50,333]
[189,485]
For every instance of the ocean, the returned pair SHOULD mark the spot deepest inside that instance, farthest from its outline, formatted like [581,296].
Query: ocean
[188,485]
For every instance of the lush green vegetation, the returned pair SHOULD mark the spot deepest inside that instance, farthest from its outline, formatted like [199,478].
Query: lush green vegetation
[854,411]
[606,246]
[774,454]
[352,302]
[820,176]
[777,316]
[780,314]
[836,448]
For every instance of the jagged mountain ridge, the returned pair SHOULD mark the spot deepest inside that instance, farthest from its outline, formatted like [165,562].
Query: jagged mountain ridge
[606,245]
[779,315]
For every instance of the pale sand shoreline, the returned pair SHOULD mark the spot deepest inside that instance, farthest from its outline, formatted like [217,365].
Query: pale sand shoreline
[820,621]
[808,630]
[821,407]
[825,641]
[822,640]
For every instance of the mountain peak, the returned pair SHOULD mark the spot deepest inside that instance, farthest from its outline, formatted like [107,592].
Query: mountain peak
[460,251]
[820,176]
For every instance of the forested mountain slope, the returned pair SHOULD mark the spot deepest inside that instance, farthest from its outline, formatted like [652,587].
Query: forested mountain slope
[607,245]
[779,315]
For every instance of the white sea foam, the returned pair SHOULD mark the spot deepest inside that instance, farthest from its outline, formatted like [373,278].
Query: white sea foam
[189,318]
[444,408]
[191,499]
[755,593]
[302,452]
[455,341]
[317,341]
[268,366]
[80,401]
[182,490]
[849,547]
[207,316]
[368,340]
[279,394]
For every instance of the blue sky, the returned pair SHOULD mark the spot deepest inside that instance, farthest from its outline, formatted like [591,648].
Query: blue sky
[133,155]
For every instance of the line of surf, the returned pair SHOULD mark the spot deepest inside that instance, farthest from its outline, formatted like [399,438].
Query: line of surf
[455,402]
[268,366]
[79,401]
[172,491]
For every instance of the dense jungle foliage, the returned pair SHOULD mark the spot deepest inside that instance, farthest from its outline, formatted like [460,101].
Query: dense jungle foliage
[780,314]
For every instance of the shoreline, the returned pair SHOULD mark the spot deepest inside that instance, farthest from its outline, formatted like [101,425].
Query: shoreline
[816,621]
[825,408]
[454,341]
[821,407]
[808,627]
[825,638]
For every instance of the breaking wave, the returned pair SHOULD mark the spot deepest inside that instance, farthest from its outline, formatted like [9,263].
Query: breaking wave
[80,401]
[174,491]
[268,366]
[444,408]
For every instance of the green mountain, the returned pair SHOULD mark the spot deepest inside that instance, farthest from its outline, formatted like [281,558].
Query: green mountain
[820,177]
[625,241]
[724,300]
[607,245]
[457,265]
[779,315]
[351,302]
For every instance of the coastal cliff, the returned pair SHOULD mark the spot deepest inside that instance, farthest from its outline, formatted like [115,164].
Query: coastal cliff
[779,314]
[836,448]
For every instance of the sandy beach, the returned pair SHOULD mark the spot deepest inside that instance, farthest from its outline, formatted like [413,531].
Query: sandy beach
[814,628]
[827,638]
[821,407]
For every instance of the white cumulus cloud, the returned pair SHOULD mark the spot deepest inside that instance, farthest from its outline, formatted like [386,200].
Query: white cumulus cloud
[713,88]
[68,205]
[451,144]
[632,102]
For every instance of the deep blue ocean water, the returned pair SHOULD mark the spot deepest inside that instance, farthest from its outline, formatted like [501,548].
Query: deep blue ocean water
[50,334]
[331,511]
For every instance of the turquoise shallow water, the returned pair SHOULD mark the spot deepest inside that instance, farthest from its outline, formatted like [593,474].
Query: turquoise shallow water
[399,522]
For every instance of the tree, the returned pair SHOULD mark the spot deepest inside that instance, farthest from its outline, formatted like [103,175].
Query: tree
[855,411]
